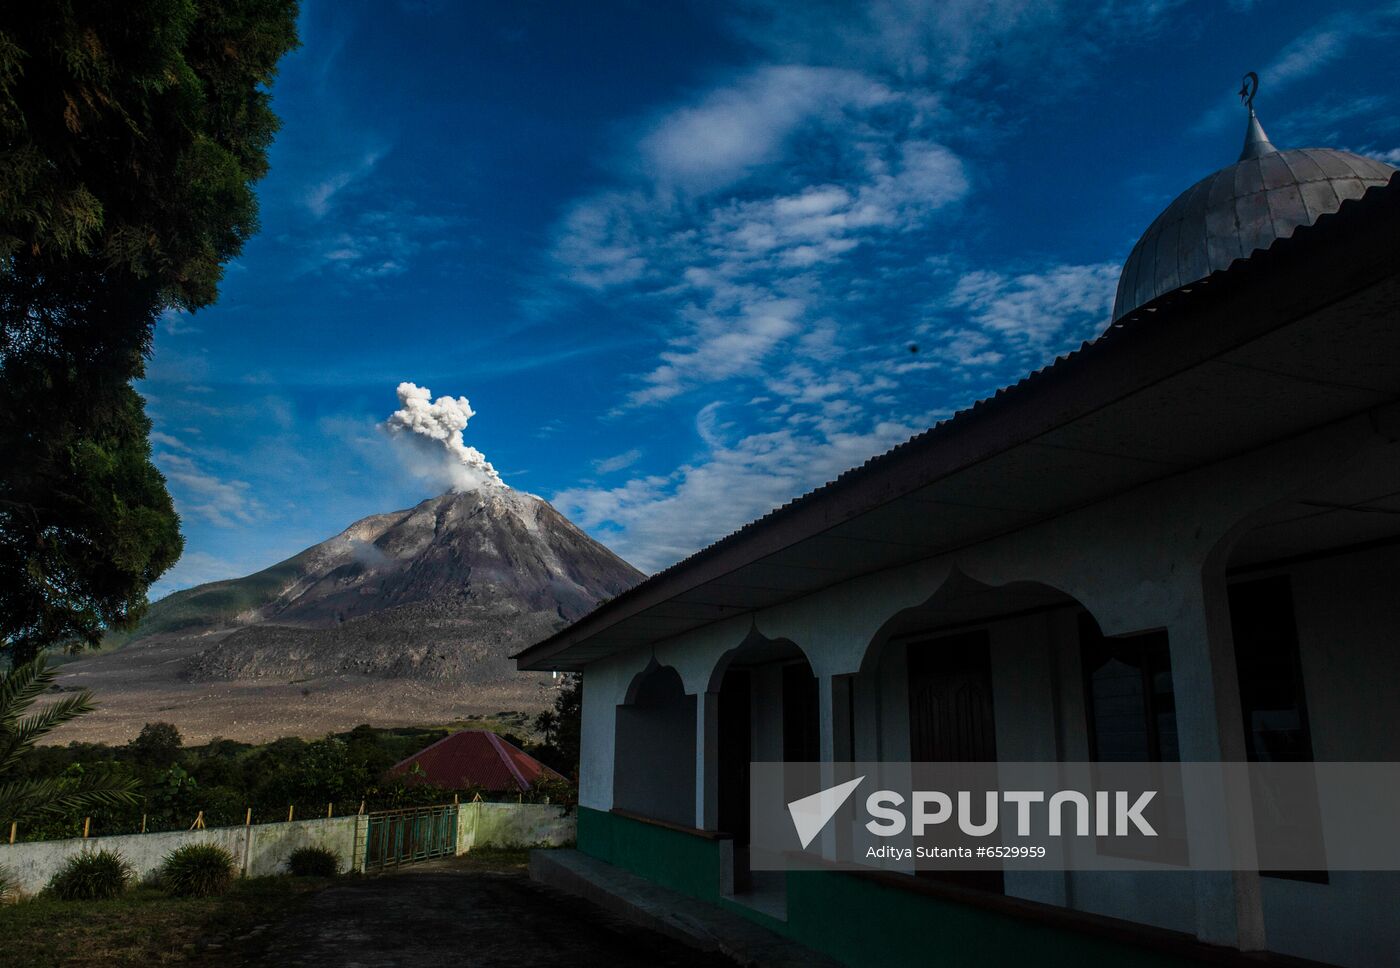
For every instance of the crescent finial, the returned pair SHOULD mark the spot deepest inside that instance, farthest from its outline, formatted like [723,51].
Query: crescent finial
[1248,89]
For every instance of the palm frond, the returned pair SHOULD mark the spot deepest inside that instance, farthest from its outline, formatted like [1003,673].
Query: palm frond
[24,799]
[21,687]
[31,728]
[18,692]
[20,799]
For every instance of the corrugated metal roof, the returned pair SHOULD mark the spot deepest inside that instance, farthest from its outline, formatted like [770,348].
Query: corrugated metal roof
[475,759]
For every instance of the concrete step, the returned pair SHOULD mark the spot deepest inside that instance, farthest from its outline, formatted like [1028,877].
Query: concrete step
[693,922]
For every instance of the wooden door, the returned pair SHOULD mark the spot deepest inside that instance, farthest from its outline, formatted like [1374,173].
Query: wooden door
[951,719]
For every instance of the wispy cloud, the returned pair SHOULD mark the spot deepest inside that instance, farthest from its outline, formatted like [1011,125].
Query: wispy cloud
[321,193]
[795,229]
[655,520]
[1307,53]
[374,243]
[747,251]
[617,462]
[226,503]
[734,129]
[197,568]
[1032,310]
[168,441]
[944,41]
[177,322]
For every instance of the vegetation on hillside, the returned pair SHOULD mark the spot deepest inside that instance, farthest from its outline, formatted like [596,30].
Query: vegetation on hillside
[222,780]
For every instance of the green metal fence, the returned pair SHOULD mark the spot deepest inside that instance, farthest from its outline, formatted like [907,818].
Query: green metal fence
[395,837]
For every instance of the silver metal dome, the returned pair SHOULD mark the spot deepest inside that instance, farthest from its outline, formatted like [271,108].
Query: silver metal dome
[1225,216]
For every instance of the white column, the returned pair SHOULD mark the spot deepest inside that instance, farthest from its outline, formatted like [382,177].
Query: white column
[1210,728]
[707,761]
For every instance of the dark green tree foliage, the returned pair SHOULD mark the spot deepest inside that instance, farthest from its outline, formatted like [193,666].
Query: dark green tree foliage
[225,778]
[133,133]
[158,744]
[560,728]
[130,137]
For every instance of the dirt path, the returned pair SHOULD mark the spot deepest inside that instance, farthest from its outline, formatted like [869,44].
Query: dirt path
[457,913]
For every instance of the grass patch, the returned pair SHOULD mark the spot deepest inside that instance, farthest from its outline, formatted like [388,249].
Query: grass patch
[145,926]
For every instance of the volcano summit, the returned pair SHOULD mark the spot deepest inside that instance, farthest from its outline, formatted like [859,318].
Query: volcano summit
[402,617]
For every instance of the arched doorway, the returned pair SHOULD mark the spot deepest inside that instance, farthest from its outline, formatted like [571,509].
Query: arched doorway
[973,675]
[768,712]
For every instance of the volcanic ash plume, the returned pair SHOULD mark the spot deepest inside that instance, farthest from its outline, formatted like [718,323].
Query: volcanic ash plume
[431,431]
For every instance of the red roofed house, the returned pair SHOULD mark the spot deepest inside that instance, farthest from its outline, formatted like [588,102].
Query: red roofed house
[474,758]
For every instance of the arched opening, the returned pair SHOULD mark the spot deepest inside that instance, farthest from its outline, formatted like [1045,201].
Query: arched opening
[654,771]
[768,712]
[1313,626]
[1011,673]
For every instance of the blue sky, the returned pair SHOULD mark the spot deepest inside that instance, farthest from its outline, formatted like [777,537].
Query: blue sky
[676,254]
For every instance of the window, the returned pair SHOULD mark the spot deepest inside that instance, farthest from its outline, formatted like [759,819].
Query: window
[1131,711]
[1275,711]
[1128,692]
[1270,671]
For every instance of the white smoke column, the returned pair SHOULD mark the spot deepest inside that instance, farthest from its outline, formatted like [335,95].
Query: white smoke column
[432,430]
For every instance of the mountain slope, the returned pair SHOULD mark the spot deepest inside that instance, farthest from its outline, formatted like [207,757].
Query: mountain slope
[444,590]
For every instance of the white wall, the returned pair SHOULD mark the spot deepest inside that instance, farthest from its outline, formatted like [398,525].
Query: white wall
[1348,614]
[258,850]
[1149,558]
[262,849]
[514,825]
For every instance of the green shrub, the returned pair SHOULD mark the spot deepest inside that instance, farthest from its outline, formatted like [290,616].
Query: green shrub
[312,862]
[197,870]
[93,875]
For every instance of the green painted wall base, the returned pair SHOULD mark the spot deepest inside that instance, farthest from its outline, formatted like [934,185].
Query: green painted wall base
[671,858]
[856,920]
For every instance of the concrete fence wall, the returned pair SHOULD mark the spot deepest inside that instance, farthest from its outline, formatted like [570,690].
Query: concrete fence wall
[262,849]
[514,825]
[257,850]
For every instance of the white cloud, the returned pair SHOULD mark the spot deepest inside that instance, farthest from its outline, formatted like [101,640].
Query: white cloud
[742,271]
[201,494]
[168,440]
[617,462]
[598,244]
[1035,309]
[1310,51]
[722,343]
[1306,54]
[320,194]
[376,243]
[794,230]
[656,520]
[197,568]
[734,129]
[177,322]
